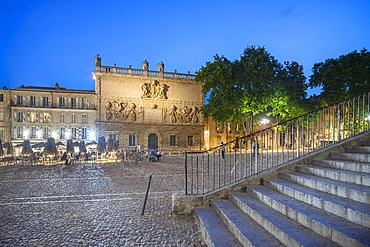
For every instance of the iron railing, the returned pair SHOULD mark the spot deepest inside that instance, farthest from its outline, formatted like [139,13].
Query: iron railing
[271,147]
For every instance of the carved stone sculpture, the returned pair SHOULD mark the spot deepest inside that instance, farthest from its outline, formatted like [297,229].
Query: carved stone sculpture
[97,60]
[154,90]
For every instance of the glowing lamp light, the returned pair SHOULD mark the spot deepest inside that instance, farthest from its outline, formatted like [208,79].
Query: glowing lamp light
[92,135]
[54,135]
[265,121]
[39,134]
[367,118]
[68,134]
[26,134]
[206,132]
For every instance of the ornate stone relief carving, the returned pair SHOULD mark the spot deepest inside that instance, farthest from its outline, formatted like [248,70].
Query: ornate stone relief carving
[184,115]
[121,111]
[154,90]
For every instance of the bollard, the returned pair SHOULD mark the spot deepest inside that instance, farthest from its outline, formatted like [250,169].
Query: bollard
[146,194]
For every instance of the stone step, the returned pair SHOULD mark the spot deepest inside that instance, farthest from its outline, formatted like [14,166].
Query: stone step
[358,149]
[246,230]
[353,211]
[344,165]
[286,230]
[351,191]
[340,175]
[351,156]
[365,142]
[214,231]
[335,228]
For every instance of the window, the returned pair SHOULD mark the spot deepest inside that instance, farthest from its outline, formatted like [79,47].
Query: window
[112,136]
[19,132]
[62,133]
[1,114]
[73,102]
[45,101]
[131,140]
[84,133]
[46,117]
[45,132]
[62,102]
[219,128]
[20,117]
[84,118]
[33,100]
[172,140]
[1,97]
[2,134]
[19,100]
[73,118]
[73,133]
[83,103]
[33,132]
[190,141]
[61,118]
[33,117]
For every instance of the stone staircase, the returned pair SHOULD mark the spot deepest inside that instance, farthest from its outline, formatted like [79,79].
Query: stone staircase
[325,203]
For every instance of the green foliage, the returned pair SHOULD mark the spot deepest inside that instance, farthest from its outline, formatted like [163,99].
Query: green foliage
[256,82]
[342,77]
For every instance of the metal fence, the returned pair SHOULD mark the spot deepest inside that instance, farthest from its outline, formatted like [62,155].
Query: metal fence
[271,147]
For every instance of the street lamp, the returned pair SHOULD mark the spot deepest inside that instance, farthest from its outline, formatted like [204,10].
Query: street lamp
[265,121]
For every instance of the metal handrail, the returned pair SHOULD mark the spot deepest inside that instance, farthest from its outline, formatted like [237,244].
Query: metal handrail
[271,147]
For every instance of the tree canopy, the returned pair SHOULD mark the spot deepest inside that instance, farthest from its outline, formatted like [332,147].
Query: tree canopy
[342,77]
[254,84]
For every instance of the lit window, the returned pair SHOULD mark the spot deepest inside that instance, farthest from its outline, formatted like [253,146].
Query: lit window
[62,133]
[74,133]
[33,117]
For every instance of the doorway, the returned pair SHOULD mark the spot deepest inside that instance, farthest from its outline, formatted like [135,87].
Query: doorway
[153,141]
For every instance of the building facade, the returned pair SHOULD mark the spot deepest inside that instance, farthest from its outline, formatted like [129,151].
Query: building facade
[149,108]
[37,113]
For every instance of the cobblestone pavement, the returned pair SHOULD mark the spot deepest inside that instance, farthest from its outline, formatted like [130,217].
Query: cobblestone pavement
[94,204]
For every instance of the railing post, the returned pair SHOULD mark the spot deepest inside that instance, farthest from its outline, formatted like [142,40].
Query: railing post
[186,173]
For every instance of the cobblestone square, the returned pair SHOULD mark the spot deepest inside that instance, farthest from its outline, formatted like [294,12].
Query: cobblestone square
[94,204]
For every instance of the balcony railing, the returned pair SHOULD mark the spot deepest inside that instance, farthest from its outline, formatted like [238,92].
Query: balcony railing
[272,147]
[147,73]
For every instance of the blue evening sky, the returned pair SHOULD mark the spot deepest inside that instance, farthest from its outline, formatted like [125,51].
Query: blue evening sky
[47,41]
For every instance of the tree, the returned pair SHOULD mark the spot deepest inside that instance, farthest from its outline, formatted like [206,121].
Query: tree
[288,99]
[257,82]
[342,77]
